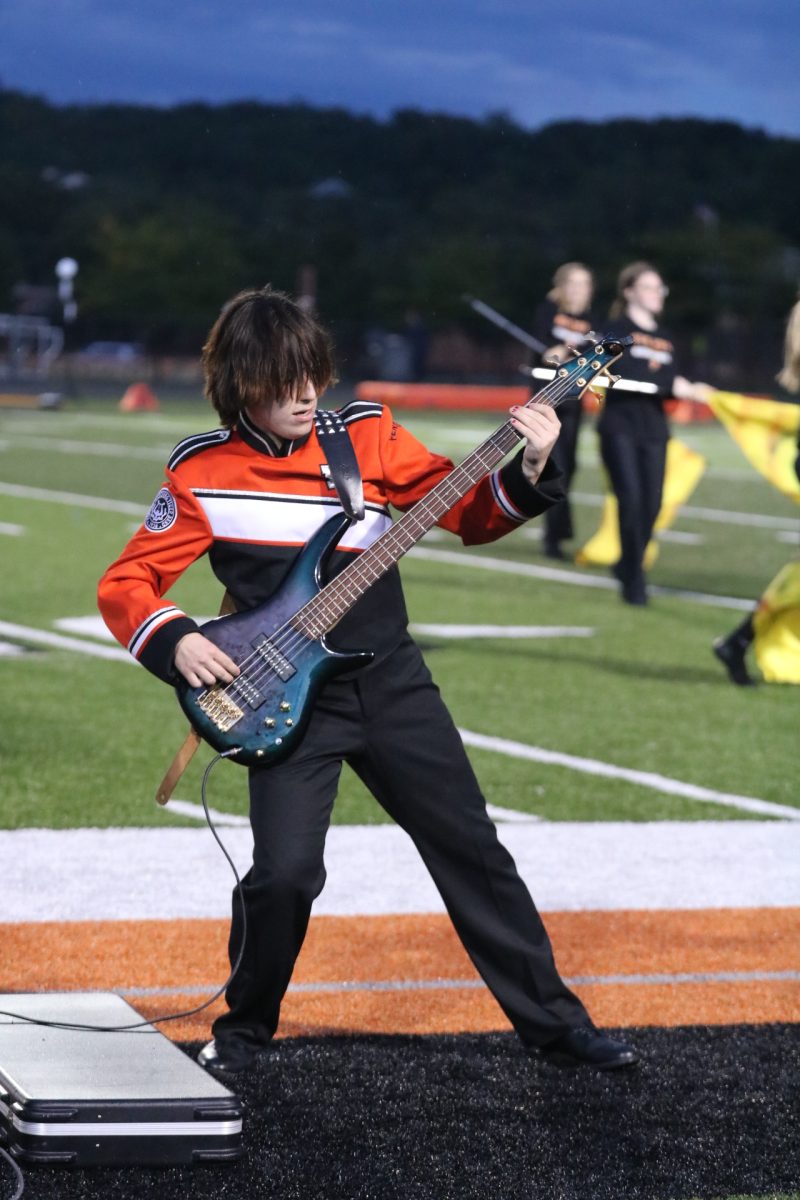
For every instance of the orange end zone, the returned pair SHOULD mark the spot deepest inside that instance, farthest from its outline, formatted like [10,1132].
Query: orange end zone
[181,959]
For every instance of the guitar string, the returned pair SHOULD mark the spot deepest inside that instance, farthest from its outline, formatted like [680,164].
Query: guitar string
[340,583]
[287,638]
[559,389]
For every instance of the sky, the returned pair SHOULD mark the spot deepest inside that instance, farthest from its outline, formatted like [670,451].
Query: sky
[539,61]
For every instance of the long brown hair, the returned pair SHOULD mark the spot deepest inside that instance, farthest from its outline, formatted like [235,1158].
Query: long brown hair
[789,374]
[627,278]
[263,347]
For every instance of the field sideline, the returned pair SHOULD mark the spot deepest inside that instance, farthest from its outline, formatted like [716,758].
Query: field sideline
[652,807]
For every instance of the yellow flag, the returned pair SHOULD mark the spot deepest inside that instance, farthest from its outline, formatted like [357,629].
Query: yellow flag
[766,432]
[683,471]
[777,627]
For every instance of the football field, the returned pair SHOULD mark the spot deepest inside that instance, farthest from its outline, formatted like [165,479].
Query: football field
[651,806]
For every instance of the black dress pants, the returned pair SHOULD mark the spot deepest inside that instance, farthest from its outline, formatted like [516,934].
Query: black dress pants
[558,518]
[390,724]
[635,460]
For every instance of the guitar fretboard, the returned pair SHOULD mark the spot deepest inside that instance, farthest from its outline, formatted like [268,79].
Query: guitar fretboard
[330,604]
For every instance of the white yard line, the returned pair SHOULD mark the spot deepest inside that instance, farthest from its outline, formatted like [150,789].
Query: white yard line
[719,516]
[9,530]
[42,637]
[648,779]
[679,538]
[507,566]
[74,499]
[165,872]
[96,449]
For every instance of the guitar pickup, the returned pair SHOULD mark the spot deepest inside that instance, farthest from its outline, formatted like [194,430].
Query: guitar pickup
[247,691]
[272,656]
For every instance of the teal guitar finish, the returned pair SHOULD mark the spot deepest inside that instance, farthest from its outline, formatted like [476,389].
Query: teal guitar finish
[280,647]
[282,668]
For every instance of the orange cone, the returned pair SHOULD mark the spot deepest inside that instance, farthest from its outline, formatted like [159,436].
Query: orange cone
[139,398]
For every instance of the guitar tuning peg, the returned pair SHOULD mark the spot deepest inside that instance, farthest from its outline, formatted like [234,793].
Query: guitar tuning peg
[614,378]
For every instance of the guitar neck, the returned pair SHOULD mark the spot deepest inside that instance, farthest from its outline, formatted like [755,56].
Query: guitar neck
[331,603]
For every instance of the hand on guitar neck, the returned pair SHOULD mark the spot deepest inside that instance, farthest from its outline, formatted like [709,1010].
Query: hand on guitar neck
[540,426]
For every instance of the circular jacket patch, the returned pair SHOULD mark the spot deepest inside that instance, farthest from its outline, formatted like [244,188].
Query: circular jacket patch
[163,512]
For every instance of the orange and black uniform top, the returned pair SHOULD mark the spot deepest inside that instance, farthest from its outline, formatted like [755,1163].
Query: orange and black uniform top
[251,503]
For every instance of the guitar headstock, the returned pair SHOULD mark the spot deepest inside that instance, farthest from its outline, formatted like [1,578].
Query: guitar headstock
[576,374]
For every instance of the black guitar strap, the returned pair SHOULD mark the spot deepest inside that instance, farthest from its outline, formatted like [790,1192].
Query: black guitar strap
[344,473]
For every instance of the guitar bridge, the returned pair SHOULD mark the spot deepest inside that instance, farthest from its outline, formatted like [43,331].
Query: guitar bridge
[220,708]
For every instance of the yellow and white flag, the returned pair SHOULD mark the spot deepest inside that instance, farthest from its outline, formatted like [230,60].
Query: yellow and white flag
[777,627]
[683,472]
[766,433]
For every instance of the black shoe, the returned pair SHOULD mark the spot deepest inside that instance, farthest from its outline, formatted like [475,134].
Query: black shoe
[634,593]
[731,655]
[585,1046]
[553,550]
[228,1056]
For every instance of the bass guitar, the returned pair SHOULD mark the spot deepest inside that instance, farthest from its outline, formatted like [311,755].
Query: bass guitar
[280,646]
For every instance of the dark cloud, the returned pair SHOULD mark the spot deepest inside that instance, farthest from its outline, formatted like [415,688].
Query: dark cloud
[538,61]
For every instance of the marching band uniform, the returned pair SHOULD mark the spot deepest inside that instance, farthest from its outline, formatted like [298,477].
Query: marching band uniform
[553,326]
[633,433]
[251,502]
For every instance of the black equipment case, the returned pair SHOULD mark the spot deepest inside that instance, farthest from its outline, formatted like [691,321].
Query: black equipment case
[88,1098]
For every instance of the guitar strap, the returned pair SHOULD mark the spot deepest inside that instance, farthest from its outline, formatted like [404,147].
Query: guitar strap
[344,473]
[192,740]
[346,479]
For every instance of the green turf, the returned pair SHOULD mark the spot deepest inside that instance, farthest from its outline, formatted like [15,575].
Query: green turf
[85,741]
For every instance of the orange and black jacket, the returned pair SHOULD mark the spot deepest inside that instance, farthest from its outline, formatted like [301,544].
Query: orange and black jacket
[251,504]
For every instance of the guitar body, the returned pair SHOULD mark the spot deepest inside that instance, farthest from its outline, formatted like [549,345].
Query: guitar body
[264,713]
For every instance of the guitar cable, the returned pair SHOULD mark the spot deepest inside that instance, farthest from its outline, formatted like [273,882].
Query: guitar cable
[189,1012]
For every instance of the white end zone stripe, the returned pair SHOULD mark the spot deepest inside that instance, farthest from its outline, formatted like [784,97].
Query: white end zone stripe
[501,496]
[148,627]
[263,518]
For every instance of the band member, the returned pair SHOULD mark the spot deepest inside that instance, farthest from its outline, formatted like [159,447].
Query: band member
[250,494]
[732,649]
[562,322]
[632,426]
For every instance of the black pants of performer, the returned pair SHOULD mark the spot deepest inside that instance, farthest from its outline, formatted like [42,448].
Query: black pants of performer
[558,519]
[635,460]
[390,724]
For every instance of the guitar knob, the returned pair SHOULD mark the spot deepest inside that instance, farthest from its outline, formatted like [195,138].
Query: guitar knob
[270,722]
[285,706]
[288,721]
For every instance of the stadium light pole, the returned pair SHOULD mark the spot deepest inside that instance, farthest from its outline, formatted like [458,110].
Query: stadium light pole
[66,270]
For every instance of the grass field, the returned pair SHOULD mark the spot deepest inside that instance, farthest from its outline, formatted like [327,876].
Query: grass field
[85,740]
[626,723]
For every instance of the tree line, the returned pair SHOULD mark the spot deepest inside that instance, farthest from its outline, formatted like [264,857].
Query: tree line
[169,211]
